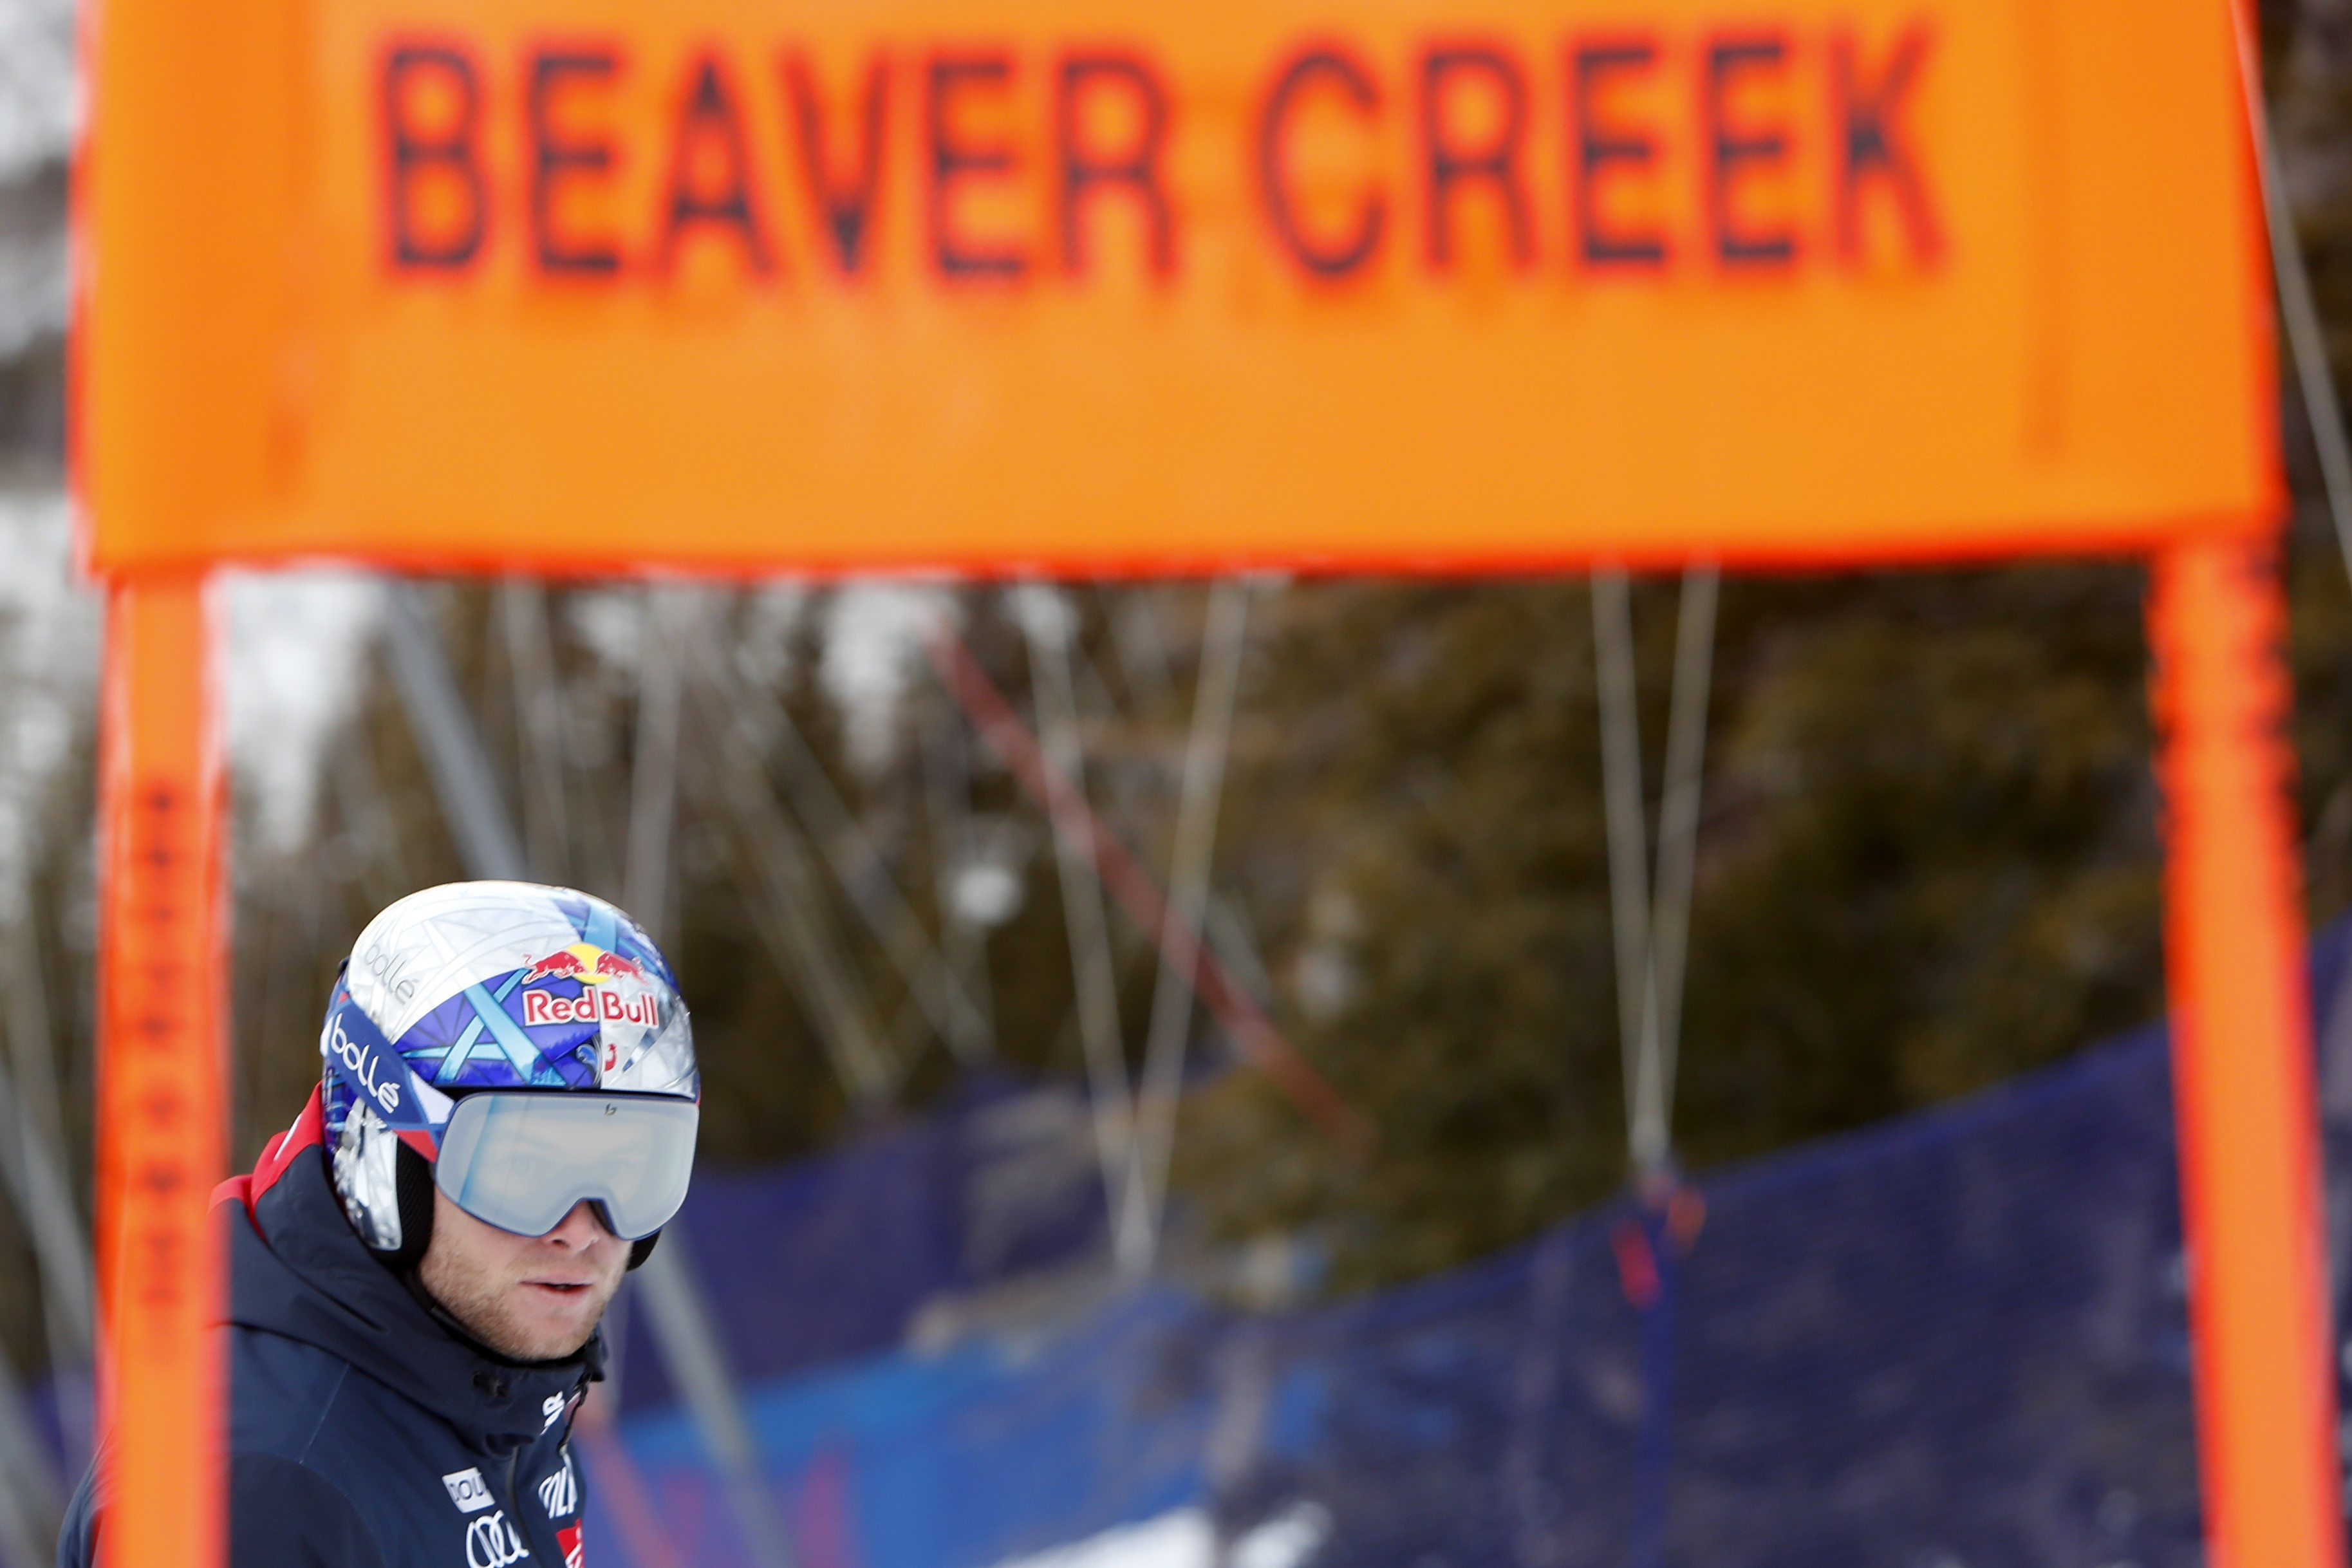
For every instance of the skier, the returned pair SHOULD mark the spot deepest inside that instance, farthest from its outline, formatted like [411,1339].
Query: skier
[504,1122]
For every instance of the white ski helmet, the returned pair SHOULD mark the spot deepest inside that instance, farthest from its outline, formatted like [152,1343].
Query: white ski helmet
[523,1049]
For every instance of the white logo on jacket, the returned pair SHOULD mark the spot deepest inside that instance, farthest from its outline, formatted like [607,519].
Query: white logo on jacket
[491,1543]
[468,1491]
[560,1494]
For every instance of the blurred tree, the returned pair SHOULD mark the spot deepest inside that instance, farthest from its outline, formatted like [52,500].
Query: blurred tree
[771,1089]
[1927,861]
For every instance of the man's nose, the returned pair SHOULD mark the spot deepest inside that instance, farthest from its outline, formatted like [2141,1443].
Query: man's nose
[580,1227]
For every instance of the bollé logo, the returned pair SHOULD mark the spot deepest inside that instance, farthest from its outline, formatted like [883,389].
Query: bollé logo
[363,1065]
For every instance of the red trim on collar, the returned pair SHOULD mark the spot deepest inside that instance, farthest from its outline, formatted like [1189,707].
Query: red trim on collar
[309,1130]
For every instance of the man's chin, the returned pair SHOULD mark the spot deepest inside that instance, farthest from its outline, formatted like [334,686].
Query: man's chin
[540,1342]
[551,1332]
[518,1318]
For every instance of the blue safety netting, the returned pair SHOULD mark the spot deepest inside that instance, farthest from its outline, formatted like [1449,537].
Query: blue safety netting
[1951,1341]
[817,1262]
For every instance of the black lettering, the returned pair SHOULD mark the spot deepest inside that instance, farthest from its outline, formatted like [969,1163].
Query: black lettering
[1496,161]
[1735,151]
[1087,172]
[555,158]
[845,205]
[437,202]
[1341,259]
[953,161]
[1870,147]
[162,1278]
[710,128]
[163,1281]
[1598,147]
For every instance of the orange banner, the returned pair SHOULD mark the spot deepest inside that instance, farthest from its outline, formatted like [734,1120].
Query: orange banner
[161,1081]
[581,286]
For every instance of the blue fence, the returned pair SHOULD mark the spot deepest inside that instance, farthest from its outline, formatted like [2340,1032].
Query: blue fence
[1953,1340]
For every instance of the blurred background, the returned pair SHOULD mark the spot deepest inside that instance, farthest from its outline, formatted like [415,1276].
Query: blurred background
[1919,1301]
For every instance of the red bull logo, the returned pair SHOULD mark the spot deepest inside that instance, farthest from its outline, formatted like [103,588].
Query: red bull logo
[562,964]
[587,962]
[591,1007]
[598,1001]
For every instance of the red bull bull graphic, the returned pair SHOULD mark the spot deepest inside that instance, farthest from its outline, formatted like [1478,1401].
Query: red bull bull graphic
[587,962]
[564,964]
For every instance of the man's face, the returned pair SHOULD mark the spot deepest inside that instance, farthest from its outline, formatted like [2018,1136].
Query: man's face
[534,1298]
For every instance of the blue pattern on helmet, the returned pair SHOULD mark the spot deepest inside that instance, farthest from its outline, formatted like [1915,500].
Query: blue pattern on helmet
[476,1039]
[614,931]
[522,1052]
[338,1100]
[479,1038]
[443,1036]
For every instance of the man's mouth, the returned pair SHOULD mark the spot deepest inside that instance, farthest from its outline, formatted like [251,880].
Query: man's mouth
[559,1287]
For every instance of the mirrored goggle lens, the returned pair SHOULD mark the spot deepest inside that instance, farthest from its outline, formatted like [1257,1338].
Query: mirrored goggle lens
[520,1162]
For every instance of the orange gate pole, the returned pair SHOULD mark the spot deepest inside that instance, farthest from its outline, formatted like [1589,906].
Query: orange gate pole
[162,1105]
[2242,1066]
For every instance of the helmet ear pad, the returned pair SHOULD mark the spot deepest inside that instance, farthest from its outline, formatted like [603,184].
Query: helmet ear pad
[413,1185]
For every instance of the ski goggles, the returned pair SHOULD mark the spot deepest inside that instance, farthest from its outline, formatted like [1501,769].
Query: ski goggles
[520,1159]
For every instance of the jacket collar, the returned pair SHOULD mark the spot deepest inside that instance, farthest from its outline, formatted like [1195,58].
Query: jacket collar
[296,1268]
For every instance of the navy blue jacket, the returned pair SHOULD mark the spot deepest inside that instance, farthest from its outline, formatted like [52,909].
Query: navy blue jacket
[363,1433]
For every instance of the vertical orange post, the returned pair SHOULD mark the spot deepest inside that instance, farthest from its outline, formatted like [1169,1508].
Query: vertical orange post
[2243,1066]
[161,1101]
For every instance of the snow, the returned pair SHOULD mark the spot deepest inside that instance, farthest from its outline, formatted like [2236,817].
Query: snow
[40,93]
[34,284]
[297,643]
[1186,1537]
[873,638]
[48,661]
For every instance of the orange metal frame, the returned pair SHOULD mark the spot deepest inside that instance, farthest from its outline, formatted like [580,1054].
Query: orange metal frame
[200,438]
